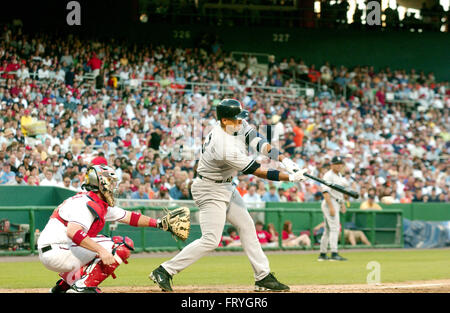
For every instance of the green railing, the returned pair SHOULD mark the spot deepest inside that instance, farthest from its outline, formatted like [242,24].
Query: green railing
[383,228]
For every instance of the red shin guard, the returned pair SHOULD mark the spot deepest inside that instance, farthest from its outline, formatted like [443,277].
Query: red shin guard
[97,271]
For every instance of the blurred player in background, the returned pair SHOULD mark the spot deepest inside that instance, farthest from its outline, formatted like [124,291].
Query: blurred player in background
[331,205]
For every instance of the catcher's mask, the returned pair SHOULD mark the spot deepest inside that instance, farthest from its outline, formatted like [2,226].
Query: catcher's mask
[103,179]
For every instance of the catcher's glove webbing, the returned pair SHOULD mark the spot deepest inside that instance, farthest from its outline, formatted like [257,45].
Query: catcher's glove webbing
[177,222]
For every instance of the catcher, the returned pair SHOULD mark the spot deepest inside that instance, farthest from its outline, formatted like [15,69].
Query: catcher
[70,243]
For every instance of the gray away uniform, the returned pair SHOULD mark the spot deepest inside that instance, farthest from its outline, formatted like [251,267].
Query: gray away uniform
[222,156]
[331,229]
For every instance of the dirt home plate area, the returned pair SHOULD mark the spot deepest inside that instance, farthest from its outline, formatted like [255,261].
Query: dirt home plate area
[431,286]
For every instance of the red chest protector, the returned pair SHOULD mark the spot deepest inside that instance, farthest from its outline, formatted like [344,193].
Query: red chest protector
[96,206]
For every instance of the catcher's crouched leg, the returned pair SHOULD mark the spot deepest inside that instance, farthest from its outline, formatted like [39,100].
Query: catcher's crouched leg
[96,272]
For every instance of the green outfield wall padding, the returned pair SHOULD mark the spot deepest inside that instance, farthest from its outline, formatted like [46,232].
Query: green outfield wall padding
[33,195]
[430,211]
[34,205]
[18,196]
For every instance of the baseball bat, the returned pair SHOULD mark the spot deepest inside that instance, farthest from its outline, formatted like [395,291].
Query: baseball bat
[336,187]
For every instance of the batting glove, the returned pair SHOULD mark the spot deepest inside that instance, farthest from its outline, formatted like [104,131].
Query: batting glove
[298,176]
[290,165]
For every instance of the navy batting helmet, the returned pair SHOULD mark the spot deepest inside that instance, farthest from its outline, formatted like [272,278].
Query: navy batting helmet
[337,160]
[230,108]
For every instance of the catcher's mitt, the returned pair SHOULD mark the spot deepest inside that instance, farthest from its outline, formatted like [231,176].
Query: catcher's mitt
[177,222]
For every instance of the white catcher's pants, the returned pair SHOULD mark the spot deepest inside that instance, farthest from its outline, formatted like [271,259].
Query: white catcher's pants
[213,212]
[63,259]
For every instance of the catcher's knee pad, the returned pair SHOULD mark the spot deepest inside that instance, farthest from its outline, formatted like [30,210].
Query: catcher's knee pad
[122,248]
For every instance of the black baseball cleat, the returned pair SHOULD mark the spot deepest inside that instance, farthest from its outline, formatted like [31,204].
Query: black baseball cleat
[162,278]
[337,257]
[323,257]
[60,287]
[270,283]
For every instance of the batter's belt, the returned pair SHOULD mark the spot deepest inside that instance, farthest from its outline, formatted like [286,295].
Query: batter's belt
[228,180]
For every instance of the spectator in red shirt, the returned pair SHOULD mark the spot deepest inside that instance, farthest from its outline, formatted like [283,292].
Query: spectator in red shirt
[295,195]
[233,239]
[264,237]
[127,141]
[381,97]
[95,64]
[273,232]
[408,196]
[242,187]
[291,240]
[99,159]
[15,90]
[313,74]
[298,134]
[13,66]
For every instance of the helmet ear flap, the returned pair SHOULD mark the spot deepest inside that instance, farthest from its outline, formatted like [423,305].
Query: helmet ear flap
[91,180]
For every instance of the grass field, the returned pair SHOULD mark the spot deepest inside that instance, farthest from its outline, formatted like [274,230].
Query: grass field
[234,269]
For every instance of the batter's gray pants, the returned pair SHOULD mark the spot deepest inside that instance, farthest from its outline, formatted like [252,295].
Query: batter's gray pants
[213,212]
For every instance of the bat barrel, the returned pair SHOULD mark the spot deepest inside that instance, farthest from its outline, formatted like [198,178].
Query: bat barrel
[341,189]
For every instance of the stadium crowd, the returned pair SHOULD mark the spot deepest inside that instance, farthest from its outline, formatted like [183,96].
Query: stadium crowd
[66,103]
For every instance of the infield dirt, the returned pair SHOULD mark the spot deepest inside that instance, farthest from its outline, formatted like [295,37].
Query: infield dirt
[430,286]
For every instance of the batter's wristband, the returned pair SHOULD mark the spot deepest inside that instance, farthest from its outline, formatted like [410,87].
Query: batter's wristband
[273,175]
[134,219]
[79,236]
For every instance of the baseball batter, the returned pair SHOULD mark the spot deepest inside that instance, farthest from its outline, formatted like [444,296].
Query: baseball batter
[225,151]
[331,205]
[70,243]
